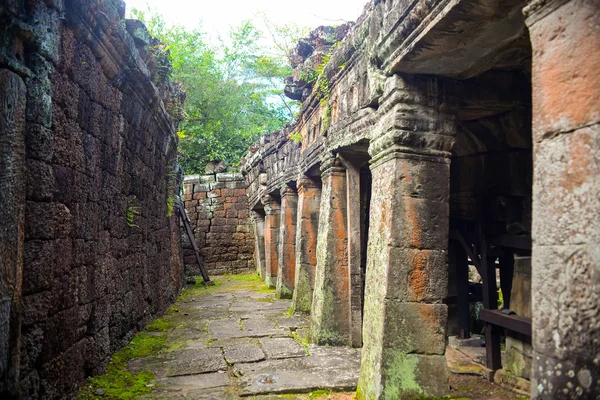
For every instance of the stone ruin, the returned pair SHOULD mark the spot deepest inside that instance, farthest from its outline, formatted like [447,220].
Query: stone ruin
[435,137]
[89,250]
[217,207]
[442,135]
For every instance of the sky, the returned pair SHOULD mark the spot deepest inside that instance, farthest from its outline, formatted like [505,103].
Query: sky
[218,16]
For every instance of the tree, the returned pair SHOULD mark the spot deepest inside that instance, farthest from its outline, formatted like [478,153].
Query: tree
[234,94]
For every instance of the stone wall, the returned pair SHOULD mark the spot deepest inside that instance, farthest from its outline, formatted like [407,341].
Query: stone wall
[217,207]
[90,253]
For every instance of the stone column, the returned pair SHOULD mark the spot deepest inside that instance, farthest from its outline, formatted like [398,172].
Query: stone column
[309,203]
[353,194]
[287,244]
[404,328]
[272,219]
[565,39]
[330,314]
[259,240]
[12,226]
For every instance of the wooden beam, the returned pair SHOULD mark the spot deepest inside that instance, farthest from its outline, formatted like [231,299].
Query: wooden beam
[512,322]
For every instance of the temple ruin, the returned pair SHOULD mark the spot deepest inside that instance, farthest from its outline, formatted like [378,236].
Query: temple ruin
[444,149]
[442,134]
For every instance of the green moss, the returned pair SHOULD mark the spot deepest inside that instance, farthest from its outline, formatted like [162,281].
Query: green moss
[320,393]
[118,382]
[265,300]
[159,325]
[303,342]
[244,277]
[400,375]
[266,289]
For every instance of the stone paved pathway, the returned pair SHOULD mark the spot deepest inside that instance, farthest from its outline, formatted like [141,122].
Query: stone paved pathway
[236,339]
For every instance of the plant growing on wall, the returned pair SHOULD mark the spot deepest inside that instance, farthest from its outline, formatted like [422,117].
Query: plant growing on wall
[130,215]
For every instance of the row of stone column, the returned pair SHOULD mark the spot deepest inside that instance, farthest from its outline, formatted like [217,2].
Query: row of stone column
[312,253]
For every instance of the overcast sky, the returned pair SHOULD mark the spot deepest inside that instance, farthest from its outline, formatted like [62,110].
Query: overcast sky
[218,16]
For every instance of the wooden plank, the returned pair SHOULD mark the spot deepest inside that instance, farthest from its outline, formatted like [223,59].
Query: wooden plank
[512,322]
[190,234]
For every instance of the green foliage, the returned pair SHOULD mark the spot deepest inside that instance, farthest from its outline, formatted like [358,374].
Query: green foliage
[327,118]
[171,200]
[234,92]
[130,213]
[295,137]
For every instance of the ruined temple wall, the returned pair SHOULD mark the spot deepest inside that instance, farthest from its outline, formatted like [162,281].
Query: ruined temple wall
[100,251]
[217,206]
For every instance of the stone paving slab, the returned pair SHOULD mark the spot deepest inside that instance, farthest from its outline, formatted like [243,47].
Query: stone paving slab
[244,353]
[336,370]
[292,322]
[210,386]
[276,348]
[261,326]
[225,328]
[196,361]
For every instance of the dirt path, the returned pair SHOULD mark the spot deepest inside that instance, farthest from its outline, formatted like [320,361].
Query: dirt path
[235,339]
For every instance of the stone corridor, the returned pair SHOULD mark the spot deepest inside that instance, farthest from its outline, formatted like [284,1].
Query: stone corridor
[237,340]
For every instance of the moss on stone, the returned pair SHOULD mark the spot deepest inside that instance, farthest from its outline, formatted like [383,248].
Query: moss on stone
[160,325]
[119,382]
[400,375]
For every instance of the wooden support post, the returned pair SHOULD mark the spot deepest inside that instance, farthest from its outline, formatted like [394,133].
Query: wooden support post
[462,291]
[490,302]
[507,269]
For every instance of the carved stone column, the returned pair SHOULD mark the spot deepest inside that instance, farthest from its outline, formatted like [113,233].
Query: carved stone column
[272,220]
[330,315]
[309,203]
[258,220]
[565,40]
[404,326]
[287,244]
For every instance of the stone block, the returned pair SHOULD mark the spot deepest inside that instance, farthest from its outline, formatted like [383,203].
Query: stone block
[565,100]
[201,188]
[566,188]
[415,327]
[415,275]
[47,221]
[565,295]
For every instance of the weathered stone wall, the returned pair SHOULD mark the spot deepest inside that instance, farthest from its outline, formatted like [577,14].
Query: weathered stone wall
[217,206]
[89,148]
